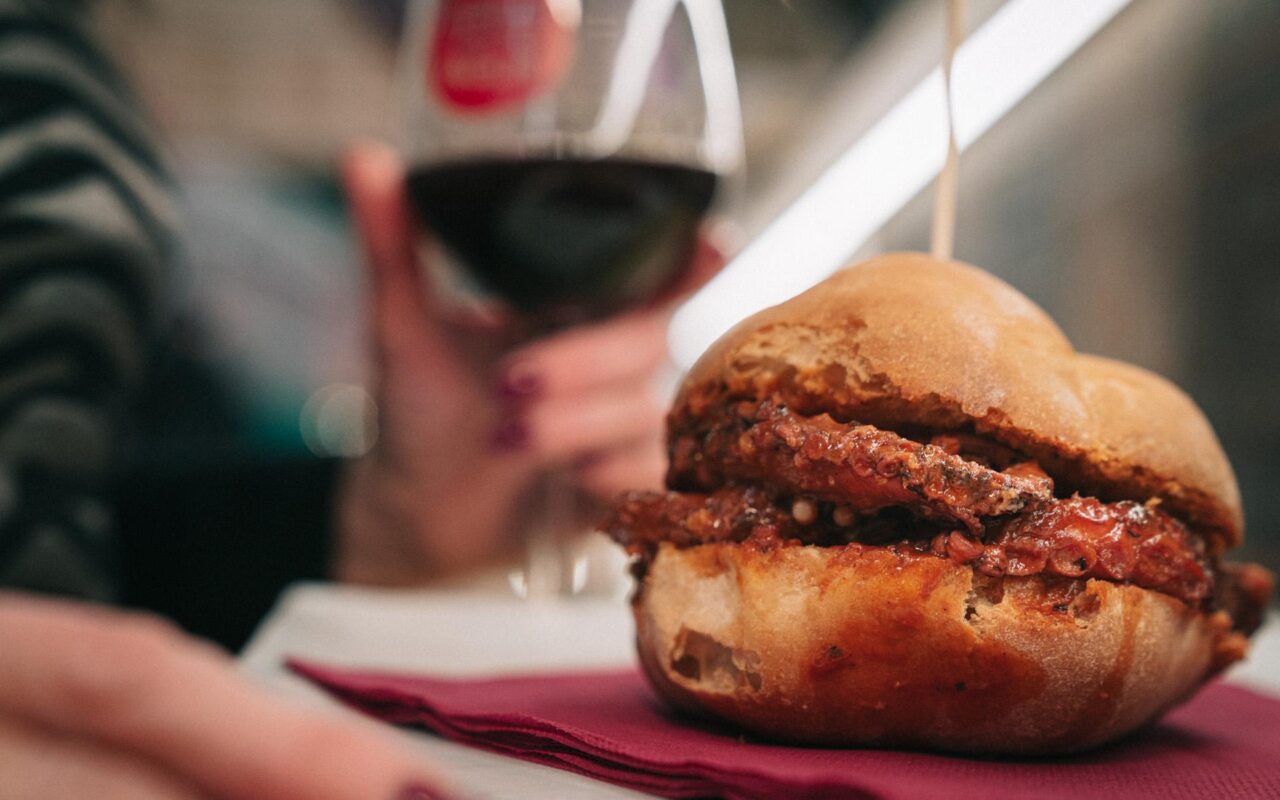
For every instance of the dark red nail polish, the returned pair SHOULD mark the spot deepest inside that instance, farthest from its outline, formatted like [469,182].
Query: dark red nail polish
[420,791]
[513,434]
[520,382]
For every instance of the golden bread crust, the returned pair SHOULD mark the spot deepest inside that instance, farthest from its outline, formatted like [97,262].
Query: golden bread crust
[907,340]
[864,647]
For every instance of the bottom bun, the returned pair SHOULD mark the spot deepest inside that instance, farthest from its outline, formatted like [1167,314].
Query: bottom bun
[861,646]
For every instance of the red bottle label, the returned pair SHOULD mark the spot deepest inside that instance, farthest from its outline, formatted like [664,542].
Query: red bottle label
[490,55]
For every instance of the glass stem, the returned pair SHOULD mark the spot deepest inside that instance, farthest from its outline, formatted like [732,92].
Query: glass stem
[548,573]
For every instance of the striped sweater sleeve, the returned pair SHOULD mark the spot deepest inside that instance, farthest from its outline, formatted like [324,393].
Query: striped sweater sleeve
[86,221]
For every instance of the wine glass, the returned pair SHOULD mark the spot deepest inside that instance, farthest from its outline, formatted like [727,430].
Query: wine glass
[562,155]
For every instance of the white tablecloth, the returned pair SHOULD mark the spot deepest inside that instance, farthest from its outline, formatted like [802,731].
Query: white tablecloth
[471,633]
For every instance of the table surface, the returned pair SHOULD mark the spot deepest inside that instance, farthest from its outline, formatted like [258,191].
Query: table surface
[474,633]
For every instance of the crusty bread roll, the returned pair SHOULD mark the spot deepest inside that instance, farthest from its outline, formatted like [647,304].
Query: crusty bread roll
[871,645]
[836,647]
[906,339]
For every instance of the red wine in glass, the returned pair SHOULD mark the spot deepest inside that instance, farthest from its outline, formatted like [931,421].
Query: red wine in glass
[565,240]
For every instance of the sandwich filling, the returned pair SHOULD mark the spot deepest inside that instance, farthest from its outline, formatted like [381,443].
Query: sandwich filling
[760,474]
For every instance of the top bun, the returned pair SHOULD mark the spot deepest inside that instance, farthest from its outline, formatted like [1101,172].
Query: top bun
[909,340]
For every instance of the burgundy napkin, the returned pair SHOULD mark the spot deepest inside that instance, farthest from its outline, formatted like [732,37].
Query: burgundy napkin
[608,725]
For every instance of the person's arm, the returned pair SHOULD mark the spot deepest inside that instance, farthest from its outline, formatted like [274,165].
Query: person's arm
[86,214]
[99,704]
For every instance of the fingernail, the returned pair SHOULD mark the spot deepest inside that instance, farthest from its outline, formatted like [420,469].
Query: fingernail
[520,381]
[421,791]
[512,434]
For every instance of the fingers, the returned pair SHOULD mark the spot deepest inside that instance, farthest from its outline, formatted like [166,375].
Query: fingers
[637,468]
[567,429]
[139,686]
[586,393]
[628,349]
[35,763]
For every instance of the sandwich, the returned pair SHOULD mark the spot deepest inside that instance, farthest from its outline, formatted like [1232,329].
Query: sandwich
[902,511]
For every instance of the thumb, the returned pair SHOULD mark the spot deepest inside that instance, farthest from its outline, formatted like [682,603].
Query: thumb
[404,322]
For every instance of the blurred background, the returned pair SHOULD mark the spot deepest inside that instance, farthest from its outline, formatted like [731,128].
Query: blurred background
[1134,193]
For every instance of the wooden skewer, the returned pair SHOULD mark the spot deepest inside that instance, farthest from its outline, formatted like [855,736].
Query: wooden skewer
[944,200]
